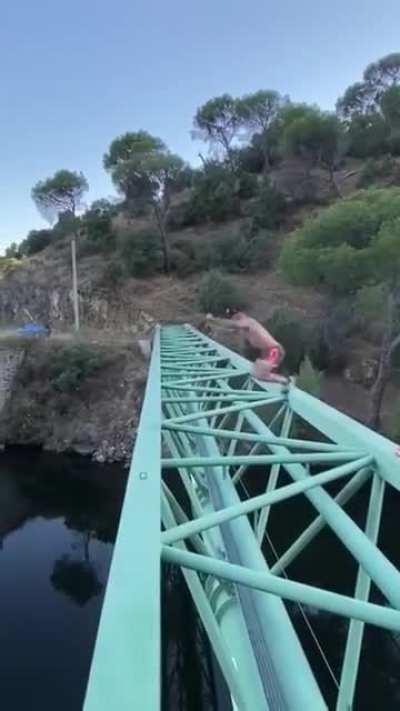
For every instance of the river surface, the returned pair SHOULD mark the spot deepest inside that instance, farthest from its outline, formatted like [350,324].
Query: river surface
[58,522]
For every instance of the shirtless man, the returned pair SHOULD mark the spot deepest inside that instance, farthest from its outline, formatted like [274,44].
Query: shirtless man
[270,351]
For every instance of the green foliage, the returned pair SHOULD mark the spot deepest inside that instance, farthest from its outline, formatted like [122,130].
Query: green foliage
[370,301]
[309,378]
[365,97]
[327,339]
[257,111]
[248,185]
[218,292]
[269,208]
[66,225]
[61,193]
[374,169]
[130,145]
[348,245]
[286,326]
[71,365]
[383,73]
[147,174]
[357,100]
[236,251]
[12,252]
[35,242]
[218,121]
[367,135]
[310,133]
[250,159]
[97,225]
[140,253]
[214,195]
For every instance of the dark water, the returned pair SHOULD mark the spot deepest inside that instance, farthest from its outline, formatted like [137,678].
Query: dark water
[326,563]
[58,520]
[58,523]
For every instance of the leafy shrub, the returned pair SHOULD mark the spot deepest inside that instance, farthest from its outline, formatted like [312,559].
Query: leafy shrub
[286,327]
[236,251]
[214,195]
[339,247]
[250,159]
[12,252]
[181,263]
[36,241]
[335,329]
[97,224]
[66,225]
[248,185]
[367,135]
[217,292]
[72,364]
[374,169]
[140,253]
[179,216]
[269,208]
[309,378]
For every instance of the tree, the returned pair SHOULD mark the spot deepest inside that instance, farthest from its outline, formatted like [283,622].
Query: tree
[384,73]
[218,122]
[390,107]
[367,135]
[257,113]
[357,100]
[62,195]
[314,135]
[364,97]
[34,242]
[147,173]
[13,251]
[351,245]
[123,158]
[59,194]
[97,223]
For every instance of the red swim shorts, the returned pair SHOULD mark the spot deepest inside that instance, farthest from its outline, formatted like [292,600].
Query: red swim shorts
[273,357]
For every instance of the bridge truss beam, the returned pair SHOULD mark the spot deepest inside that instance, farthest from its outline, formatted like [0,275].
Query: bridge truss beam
[217,422]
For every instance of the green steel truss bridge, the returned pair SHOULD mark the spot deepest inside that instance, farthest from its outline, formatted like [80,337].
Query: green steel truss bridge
[205,420]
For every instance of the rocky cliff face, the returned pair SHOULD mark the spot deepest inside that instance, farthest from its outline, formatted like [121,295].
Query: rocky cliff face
[98,417]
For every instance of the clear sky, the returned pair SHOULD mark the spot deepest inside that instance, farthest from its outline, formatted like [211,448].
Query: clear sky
[76,74]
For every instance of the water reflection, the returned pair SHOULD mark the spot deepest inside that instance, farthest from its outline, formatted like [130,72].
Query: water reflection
[58,521]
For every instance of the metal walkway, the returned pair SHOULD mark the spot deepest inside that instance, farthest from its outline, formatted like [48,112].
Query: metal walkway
[205,420]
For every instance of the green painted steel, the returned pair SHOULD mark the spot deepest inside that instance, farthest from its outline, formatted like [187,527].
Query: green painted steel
[356,629]
[125,670]
[317,597]
[258,502]
[216,422]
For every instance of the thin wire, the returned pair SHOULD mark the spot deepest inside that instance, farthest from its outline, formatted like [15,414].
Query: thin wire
[300,607]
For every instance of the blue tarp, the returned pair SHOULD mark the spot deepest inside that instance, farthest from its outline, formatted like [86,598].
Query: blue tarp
[32,329]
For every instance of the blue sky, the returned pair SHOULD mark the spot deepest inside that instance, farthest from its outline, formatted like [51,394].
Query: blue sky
[76,74]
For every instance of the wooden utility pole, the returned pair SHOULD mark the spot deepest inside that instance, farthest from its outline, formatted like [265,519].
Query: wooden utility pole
[75,298]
